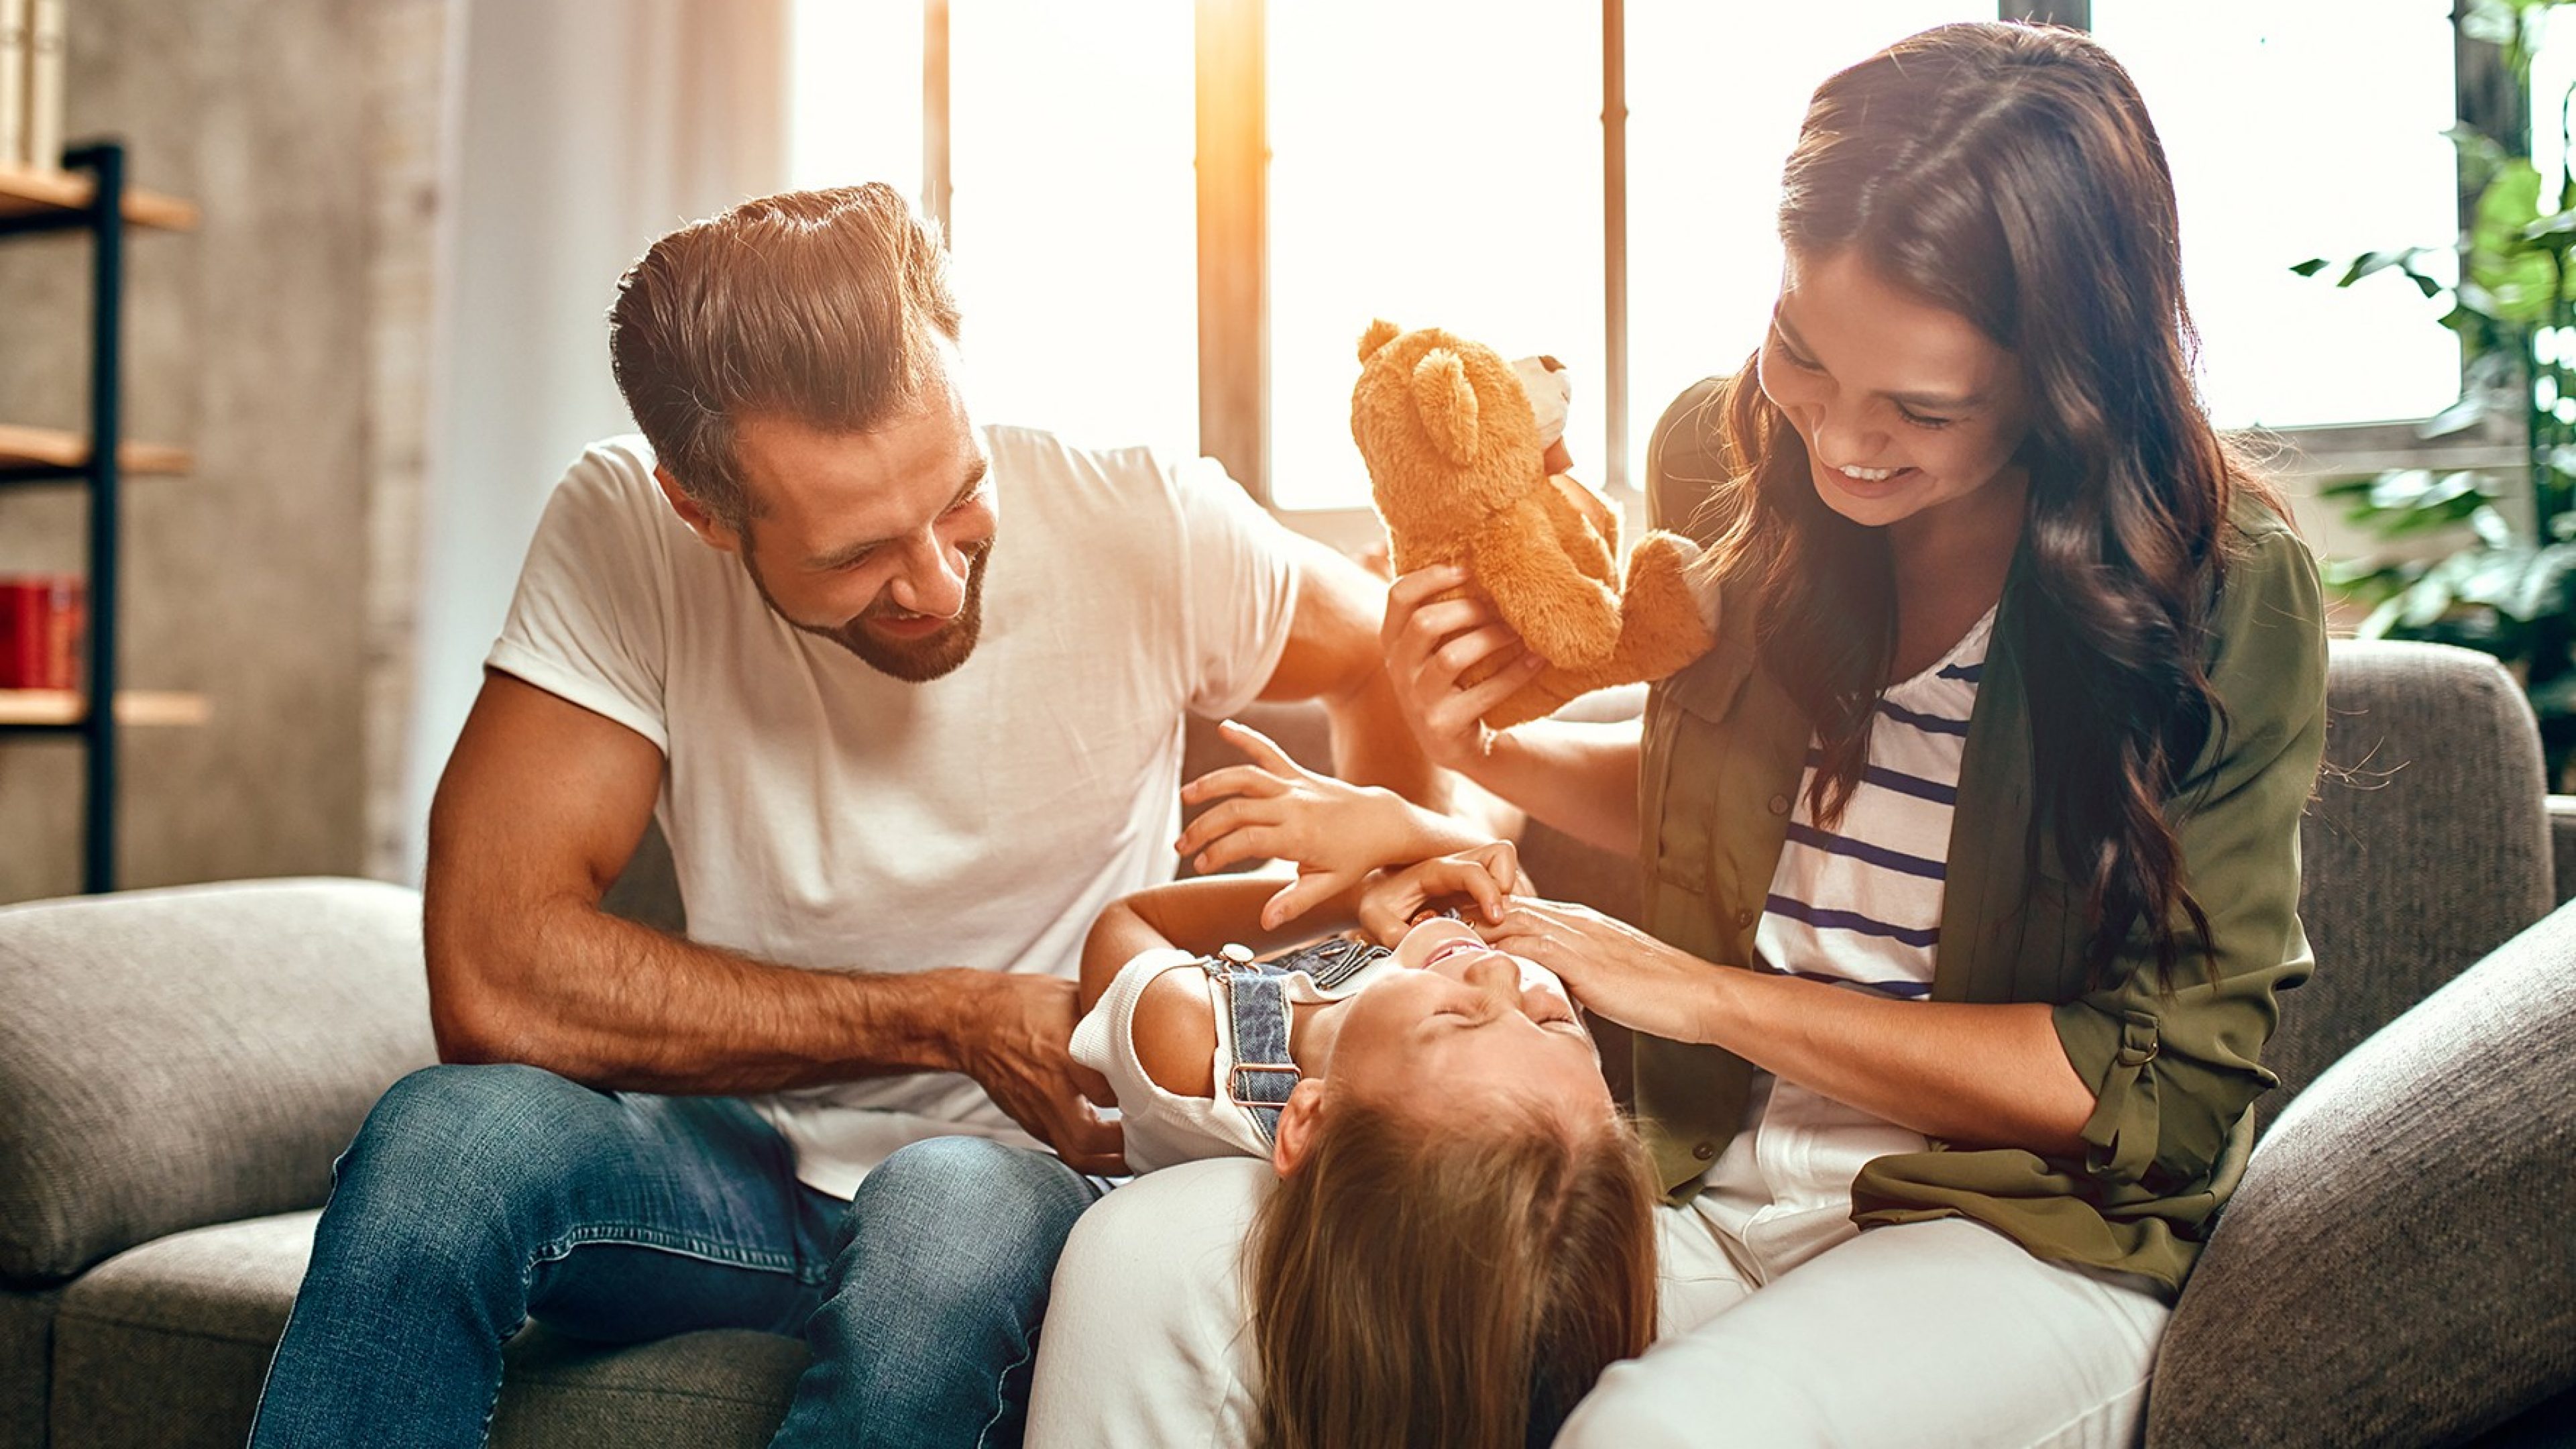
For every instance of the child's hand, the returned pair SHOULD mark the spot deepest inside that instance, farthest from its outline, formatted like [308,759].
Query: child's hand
[1394,901]
[1336,832]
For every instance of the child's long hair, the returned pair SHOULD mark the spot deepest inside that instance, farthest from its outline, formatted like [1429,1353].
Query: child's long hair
[1422,1285]
[2009,173]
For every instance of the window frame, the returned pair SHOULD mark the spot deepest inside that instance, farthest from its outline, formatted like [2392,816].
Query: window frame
[1233,266]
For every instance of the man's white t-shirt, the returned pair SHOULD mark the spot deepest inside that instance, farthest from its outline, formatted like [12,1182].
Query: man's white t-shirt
[823,815]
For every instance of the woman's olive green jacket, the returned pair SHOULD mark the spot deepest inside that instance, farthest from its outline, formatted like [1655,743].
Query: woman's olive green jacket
[2175,1065]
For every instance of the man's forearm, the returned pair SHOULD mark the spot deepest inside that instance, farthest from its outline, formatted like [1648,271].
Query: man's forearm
[615,1005]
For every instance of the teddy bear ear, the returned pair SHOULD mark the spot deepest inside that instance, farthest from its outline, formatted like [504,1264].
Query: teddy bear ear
[1446,404]
[1379,333]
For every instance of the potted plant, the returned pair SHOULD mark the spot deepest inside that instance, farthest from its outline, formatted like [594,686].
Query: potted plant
[2508,586]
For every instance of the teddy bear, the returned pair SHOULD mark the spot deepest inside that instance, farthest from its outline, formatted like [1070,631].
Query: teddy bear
[1456,456]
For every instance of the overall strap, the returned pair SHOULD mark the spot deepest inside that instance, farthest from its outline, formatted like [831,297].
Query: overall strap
[1263,1073]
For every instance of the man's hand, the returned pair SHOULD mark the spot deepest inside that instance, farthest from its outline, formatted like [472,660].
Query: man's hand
[1019,1053]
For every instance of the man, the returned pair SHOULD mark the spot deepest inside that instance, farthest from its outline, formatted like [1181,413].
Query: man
[901,764]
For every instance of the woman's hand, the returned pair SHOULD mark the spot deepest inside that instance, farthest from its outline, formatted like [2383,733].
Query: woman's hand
[1611,968]
[1391,904]
[1430,645]
[1335,832]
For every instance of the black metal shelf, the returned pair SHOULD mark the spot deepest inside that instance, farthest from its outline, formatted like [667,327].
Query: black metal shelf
[36,203]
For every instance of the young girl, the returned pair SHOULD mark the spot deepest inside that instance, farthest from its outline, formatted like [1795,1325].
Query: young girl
[1461,1236]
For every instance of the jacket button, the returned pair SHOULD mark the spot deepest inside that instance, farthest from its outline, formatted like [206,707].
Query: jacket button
[1704,1150]
[1779,804]
[1744,918]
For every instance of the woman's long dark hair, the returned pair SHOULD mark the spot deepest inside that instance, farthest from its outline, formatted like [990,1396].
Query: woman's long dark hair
[2009,173]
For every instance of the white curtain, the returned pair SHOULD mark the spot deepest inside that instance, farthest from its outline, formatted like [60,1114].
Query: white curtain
[583,130]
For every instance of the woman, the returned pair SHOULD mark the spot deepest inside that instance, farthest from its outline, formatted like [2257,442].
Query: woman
[1992,782]
[1461,1238]
[1970,852]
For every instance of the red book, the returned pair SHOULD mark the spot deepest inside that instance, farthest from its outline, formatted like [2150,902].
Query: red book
[10,652]
[65,613]
[27,633]
[41,627]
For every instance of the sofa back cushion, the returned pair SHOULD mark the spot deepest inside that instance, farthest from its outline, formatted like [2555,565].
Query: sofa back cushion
[2426,847]
[173,1058]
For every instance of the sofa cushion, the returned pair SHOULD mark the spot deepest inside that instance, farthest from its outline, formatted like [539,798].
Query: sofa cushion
[2395,1267]
[177,1057]
[2427,845]
[167,1344]
[26,1363]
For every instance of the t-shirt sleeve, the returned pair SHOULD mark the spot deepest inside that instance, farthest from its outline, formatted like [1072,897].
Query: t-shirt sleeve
[1239,585]
[590,618]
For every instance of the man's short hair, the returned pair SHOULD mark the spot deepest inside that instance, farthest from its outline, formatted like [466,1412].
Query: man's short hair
[822,306]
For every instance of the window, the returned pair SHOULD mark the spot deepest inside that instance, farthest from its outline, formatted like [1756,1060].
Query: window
[854,103]
[1072,199]
[1715,97]
[1440,162]
[1438,169]
[2297,129]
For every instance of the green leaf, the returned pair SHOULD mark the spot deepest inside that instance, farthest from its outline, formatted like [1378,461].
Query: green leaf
[2458,417]
[2428,601]
[2412,490]
[2357,485]
[2555,232]
[2310,267]
[2545,584]
[2381,619]
[2481,155]
[2490,527]
[2369,262]
[2512,280]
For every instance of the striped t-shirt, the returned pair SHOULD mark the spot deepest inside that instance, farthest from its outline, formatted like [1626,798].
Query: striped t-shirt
[1860,905]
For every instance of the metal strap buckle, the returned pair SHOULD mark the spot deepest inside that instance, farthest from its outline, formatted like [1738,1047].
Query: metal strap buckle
[1234,1086]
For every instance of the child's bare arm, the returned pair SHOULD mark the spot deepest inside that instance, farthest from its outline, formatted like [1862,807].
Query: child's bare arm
[1196,915]
[1334,831]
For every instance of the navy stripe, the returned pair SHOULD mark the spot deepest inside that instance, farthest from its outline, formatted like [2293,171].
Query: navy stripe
[1969,672]
[1901,990]
[1898,781]
[1928,723]
[1853,921]
[1914,785]
[1861,850]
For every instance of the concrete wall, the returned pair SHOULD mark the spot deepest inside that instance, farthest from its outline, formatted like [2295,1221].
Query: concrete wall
[249,341]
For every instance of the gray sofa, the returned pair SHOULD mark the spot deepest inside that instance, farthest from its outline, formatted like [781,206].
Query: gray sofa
[179,1067]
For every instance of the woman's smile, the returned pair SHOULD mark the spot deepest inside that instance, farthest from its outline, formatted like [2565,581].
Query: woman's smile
[1867,482]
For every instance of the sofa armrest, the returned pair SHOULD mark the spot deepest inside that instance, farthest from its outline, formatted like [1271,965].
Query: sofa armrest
[2562,846]
[174,1058]
[2394,1267]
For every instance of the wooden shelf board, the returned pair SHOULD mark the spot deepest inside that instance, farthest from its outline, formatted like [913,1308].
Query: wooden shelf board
[57,448]
[133,707]
[23,191]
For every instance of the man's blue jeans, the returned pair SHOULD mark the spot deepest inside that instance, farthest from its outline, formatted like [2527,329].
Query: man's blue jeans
[476,1198]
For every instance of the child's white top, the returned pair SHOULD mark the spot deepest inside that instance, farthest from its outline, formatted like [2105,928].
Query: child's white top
[1163,1127]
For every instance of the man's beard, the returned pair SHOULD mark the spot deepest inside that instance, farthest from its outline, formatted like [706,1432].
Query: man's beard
[917,661]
